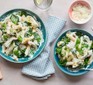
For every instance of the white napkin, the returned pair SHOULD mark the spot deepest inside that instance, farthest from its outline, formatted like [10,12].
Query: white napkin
[41,68]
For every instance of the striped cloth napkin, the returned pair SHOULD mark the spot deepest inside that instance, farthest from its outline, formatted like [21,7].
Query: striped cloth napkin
[41,68]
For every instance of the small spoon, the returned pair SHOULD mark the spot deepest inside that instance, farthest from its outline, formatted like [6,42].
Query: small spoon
[87,69]
[78,69]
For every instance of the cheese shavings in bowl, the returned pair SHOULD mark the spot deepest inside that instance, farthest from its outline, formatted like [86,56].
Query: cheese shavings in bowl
[80,11]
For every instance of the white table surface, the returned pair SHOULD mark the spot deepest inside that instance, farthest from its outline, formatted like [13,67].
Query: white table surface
[12,72]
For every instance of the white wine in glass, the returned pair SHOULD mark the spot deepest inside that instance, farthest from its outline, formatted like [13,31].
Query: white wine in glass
[43,4]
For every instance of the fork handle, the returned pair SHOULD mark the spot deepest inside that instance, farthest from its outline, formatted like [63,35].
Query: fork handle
[89,69]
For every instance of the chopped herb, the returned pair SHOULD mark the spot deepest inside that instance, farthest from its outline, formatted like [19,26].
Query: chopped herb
[77,41]
[21,13]
[80,51]
[29,32]
[37,37]
[5,36]
[58,50]
[79,34]
[20,39]
[66,40]
[91,45]
[63,62]
[85,46]
[4,26]
[17,53]
[14,19]
[77,46]
[23,51]
[86,61]
[27,23]
[32,50]
[81,66]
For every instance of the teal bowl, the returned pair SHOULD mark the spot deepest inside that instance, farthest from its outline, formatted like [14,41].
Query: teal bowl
[40,48]
[64,69]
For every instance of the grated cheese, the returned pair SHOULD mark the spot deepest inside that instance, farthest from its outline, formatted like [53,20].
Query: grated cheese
[80,12]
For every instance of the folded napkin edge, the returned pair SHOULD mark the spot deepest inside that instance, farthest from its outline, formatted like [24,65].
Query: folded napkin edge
[25,73]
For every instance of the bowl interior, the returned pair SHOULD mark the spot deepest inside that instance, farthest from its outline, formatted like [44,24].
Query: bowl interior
[42,28]
[83,2]
[64,69]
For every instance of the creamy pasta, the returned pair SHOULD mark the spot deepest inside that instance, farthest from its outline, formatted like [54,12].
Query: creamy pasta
[20,35]
[75,50]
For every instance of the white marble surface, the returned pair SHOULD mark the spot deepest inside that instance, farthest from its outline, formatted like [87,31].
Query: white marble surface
[12,72]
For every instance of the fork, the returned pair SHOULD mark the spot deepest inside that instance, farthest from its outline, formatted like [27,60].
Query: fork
[87,69]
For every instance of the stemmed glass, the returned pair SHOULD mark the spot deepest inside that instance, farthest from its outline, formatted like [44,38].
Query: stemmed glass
[43,4]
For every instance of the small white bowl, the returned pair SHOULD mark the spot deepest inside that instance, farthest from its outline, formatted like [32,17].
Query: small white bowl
[84,2]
